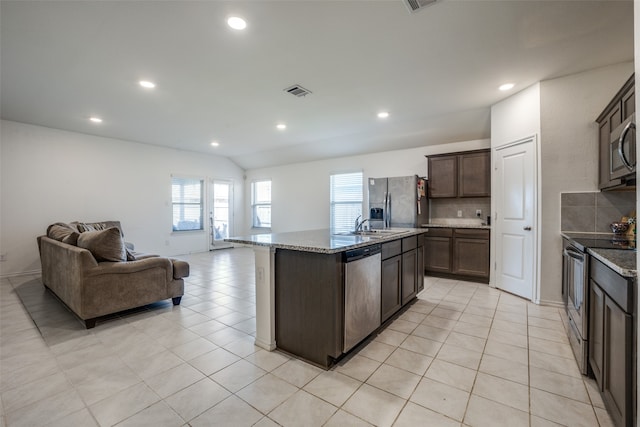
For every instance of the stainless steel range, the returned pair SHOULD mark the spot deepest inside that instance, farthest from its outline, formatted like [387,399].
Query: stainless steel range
[575,286]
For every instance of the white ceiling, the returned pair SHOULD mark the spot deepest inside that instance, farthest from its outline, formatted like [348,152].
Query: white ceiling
[436,71]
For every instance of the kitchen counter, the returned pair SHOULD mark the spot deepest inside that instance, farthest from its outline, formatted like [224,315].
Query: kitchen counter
[304,272]
[460,225]
[621,261]
[321,241]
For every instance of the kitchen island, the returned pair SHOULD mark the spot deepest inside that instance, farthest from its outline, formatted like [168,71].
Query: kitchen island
[300,286]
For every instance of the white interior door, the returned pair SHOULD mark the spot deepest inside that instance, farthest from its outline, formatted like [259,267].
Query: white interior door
[515,218]
[221,213]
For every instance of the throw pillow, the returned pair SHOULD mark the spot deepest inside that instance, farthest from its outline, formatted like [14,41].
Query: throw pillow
[63,233]
[105,245]
[83,227]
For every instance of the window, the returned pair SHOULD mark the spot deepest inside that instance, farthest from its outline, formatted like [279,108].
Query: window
[346,200]
[188,203]
[261,204]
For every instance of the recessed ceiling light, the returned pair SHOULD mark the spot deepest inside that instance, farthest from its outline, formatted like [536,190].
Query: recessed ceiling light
[281,126]
[215,143]
[383,114]
[506,86]
[237,23]
[95,119]
[147,84]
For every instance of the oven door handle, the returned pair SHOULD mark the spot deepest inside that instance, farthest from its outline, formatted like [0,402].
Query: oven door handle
[570,252]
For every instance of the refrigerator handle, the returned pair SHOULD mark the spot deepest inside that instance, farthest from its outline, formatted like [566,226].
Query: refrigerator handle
[384,211]
[387,210]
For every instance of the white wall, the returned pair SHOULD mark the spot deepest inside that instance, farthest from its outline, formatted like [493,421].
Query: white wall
[300,192]
[569,154]
[562,113]
[51,175]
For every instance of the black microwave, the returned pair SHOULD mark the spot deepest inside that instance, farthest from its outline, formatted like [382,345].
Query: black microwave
[622,149]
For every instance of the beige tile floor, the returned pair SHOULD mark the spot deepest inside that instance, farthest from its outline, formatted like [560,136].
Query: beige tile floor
[463,355]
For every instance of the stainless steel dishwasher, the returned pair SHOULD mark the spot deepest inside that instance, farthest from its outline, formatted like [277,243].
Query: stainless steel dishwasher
[362,270]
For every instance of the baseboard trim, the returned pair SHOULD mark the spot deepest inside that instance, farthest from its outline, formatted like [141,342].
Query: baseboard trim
[20,274]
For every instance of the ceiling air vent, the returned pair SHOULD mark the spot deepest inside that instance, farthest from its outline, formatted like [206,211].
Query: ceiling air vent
[297,90]
[415,5]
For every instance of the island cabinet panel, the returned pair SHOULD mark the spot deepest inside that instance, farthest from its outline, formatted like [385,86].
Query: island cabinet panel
[420,269]
[309,305]
[409,268]
[390,287]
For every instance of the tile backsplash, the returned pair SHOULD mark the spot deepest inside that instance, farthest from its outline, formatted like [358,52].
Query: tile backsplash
[448,208]
[593,212]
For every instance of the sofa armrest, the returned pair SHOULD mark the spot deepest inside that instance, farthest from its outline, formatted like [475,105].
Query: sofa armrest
[180,268]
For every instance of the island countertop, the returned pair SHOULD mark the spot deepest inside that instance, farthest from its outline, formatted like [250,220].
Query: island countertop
[323,240]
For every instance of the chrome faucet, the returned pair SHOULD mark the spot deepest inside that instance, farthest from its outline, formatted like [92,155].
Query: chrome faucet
[358,224]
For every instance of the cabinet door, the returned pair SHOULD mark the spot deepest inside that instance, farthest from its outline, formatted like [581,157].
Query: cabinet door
[628,103]
[617,370]
[596,331]
[471,257]
[420,269]
[474,176]
[437,254]
[409,265]
[443,176]
[390,291]
[604,172]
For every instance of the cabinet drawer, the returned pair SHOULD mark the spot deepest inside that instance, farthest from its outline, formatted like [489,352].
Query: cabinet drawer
[472,233]
[391,249]
[409,243]
[615,286]
[438,232]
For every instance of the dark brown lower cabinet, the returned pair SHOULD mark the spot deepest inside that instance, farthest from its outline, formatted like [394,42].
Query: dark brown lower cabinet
[409,268]
[420,269]
[611,340]
[402,273]
[437,250]
[457,253]
[390,291]
[471,257]
[596,330]
[616,378]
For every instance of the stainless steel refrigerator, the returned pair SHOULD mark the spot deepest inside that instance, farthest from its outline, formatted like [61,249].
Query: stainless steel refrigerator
[398,202]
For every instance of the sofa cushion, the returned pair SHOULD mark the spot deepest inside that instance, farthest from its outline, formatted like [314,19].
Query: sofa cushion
[63,233]
[105,245]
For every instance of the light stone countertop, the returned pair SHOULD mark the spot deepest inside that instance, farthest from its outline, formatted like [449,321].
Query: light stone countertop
[460,225]
[621,261]
[322,241]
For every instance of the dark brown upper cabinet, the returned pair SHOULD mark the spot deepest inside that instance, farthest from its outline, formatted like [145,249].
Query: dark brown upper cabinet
[465,174]
[621,107]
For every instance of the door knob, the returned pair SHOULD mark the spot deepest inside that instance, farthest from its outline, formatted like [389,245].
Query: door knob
[527,228]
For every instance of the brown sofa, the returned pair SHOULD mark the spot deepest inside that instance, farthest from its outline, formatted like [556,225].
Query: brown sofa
[90,268]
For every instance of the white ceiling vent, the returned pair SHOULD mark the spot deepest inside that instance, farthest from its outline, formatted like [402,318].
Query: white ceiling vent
[297,90]
[416,5]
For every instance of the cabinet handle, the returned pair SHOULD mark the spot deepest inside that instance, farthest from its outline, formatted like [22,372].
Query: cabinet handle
[527,228]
